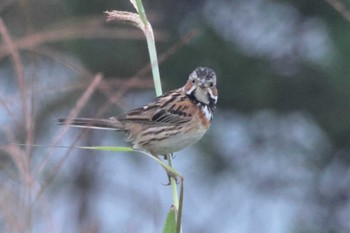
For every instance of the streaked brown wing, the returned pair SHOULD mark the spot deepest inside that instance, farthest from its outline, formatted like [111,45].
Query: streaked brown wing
[169,109]
[170,117]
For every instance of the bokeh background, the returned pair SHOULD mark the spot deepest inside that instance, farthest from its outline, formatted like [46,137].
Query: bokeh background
[276,159]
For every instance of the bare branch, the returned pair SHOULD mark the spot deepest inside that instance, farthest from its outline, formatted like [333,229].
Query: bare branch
[341,8]
[18,66]
[68,33]
[73,114]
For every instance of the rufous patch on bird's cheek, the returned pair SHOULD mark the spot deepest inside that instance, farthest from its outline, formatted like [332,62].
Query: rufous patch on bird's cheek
[188,86]
[214,91]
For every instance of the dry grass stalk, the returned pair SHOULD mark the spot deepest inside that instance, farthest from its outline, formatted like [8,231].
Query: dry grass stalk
[341,8]
[89,31]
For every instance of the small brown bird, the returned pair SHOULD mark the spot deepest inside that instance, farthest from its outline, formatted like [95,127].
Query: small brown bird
[171,122]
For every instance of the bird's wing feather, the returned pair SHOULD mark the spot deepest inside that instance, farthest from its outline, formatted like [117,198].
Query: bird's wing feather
[169,109]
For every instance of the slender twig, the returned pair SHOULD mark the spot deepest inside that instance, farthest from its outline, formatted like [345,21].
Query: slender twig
[73,114]
[341,8]
[18,66]
[27,119]
[4,4]
[10,114]
[170,51]
[61,34]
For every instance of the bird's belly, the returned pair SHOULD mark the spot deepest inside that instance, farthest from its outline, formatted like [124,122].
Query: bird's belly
[162,146]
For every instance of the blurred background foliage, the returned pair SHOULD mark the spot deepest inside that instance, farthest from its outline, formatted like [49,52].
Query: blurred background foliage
[275,160]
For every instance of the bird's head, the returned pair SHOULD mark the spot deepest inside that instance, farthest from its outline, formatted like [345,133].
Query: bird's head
[201,86]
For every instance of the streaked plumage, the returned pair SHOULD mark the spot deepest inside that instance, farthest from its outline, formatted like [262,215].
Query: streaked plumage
[171,122]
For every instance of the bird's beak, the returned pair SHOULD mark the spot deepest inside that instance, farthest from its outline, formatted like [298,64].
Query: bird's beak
[201,83]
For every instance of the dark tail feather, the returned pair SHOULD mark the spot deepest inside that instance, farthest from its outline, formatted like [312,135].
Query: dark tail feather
[109,124]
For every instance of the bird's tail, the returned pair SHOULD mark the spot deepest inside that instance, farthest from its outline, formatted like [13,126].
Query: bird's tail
[108,124]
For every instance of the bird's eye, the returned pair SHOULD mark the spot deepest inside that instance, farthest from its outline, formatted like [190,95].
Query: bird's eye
[193,81]
[211,84]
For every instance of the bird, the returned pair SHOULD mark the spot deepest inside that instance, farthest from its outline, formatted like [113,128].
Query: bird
[172,122]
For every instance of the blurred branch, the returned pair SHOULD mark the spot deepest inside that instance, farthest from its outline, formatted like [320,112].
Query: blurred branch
[170,51]
[9,204]
[341,8]
[16,60]
[74,113]
[19,70]
[105,86]
[6,3]
[90,31]
[14,206]
[135,79]
[10,114]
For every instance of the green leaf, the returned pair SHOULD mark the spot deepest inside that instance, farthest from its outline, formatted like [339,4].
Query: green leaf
[104,148]
[170,222]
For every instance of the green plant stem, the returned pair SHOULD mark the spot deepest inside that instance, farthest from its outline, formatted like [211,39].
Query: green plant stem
[179,212]
[151,47]
[141,12]
[154,62]
[173,186]
[156,78]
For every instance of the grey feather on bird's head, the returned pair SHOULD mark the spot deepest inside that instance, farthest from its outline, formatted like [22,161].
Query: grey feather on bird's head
[201,86]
